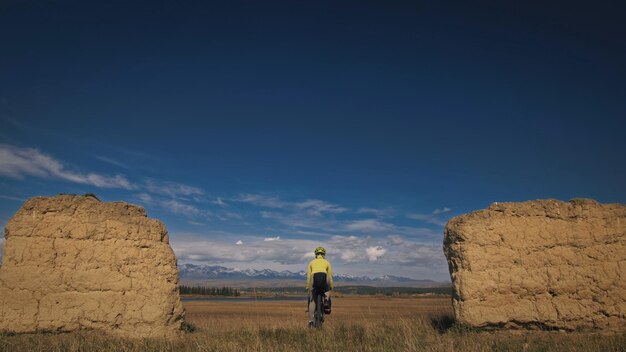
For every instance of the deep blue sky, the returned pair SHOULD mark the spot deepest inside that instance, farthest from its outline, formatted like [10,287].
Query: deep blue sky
[362,126]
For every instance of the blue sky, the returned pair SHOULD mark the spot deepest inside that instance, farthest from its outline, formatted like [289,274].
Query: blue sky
[360,126]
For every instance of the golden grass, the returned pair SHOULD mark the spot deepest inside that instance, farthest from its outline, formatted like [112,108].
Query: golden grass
[356,324]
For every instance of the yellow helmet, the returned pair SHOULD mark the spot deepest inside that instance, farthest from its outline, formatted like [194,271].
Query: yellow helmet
[320,251]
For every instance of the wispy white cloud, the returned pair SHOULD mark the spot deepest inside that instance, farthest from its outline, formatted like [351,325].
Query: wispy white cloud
[318,215]
[16,162]
[369,225]
[145,198]
[312,207]
[171,189]
[195,223]
[427,218]
[378,227]
[317,207]
[442,210]
[433,218]
[380,213]
[239,242]
[269,239]
[261,200]
[298,220]
[17,199]
[133,153]
[177,207]
[232,215]
[310,214]
[173,205]
[117,181]
[111,161]
[227,216]
[219,201]
[312,233]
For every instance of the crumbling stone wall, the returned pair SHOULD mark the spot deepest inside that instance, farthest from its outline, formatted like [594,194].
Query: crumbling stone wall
[541,264]
[73,262]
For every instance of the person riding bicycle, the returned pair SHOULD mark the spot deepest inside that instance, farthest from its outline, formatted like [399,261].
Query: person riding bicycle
[322,274]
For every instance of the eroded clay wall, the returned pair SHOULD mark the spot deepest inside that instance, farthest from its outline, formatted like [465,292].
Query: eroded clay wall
[544,264]
[74,262]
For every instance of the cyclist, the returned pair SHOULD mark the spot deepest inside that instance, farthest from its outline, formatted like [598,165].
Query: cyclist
[322,273]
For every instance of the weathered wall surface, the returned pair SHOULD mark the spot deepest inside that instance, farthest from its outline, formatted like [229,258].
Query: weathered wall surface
[73,262]
[544,263]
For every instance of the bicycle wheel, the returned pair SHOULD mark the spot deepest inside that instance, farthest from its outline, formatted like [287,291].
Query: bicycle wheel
[319,311]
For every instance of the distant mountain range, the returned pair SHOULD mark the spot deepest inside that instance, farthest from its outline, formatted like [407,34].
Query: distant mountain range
[193,272]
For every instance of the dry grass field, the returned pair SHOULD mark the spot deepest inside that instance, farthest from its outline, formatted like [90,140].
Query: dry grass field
[356,324]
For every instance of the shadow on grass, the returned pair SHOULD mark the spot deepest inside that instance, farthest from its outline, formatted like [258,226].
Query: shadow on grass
[442,323]
[446,323]
[188,328]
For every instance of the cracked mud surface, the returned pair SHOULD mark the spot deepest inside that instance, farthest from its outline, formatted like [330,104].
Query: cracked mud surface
[73,262]
[540,264]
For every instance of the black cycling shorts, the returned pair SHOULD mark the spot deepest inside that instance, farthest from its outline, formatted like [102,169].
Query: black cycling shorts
[319,282]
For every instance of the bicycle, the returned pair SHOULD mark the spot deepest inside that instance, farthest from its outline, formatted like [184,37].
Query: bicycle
[321,304]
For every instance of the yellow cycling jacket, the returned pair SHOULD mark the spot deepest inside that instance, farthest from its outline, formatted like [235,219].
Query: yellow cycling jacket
[319,265]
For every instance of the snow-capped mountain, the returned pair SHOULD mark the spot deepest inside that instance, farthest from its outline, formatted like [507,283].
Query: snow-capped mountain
[192,271]
[216,272]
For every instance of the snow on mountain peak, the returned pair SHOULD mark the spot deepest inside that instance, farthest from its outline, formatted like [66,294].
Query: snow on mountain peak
[194,271]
